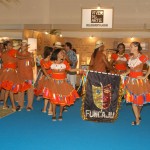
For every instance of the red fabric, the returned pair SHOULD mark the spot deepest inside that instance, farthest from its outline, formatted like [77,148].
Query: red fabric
[143,58]
[12,52]
[46,65]
[59,75]
[126,56]
[25,86]
[67,65]
[121,66]
[57,99]
[10,65]
[114,56]
[135,74]
[8,85]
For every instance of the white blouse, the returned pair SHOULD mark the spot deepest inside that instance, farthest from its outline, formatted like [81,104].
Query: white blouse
[58,66]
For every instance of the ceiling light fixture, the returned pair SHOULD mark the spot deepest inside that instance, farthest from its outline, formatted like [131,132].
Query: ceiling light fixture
[46,33]
[98,6]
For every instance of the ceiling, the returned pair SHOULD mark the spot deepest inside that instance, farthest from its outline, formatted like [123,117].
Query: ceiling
[130,17]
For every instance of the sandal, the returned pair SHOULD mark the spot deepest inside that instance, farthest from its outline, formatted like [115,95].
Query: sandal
[29,108]
[18,108]
[140,118]
[134,123]
[5,107]
[43,111]
[54,118]
[14,109]
[60,118]
[50,113]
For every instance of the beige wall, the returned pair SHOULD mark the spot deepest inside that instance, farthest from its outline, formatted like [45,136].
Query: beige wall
[84,46]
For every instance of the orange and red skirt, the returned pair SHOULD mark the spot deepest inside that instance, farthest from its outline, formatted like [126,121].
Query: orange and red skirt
[137,91]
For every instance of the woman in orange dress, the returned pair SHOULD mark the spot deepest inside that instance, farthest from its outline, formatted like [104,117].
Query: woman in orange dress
[119,60]
[45,64]
[57,89]
[137,86]
[9,78]
[25,72]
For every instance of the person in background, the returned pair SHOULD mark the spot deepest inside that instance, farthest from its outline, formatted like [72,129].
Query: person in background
[25,72]
[9,76]
[57,45]
[119,59]
[45,66]
[98,60]
[72,60]
[137,86]
[1,51]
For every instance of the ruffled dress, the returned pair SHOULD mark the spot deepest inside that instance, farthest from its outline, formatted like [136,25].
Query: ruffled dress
[25,72]
[9,79]
[43,79]
[120,62]
[137,91]
[57,89]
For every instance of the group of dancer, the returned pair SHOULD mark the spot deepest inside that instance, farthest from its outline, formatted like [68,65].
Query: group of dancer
[16,77]
[130,66]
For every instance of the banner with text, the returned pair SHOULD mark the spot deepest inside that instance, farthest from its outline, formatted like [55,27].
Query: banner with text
[102,98]
[97,18]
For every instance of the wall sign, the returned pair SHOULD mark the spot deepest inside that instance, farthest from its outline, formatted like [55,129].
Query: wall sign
[97,18]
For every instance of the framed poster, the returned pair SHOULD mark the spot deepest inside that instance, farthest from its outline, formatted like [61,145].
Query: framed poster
[97,18]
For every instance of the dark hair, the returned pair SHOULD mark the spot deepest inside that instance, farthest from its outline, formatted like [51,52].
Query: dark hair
[137,44]
[55,53]
[95,52]
[74,50]
[47,51]
[6,43]
[69,45]
[120,44]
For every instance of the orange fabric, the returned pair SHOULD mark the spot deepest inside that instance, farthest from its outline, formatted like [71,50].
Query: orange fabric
[25,86]
[140,100]
[8,85]
[148,97]
[135,74]
[25,70]
[143,58]
[121,66]
[10,65]
[126,56]
[57,99]
[114,56]
[59,76]
[67,65]
[46,65]
[12,52]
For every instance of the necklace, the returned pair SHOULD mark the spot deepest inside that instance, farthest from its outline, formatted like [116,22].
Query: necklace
[120,55]
[133,62]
